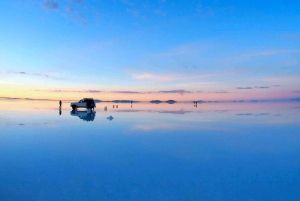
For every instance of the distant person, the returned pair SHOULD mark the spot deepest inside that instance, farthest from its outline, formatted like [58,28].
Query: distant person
[60,103]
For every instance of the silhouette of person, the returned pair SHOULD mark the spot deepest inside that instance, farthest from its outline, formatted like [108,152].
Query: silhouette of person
[60,103]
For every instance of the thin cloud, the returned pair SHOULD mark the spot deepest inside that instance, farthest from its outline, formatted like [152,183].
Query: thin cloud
[175,112]
[69,9]
[244,88]
[221,92]
[270,53]
[149,76]
[143,76]
[79,2]
[37,74]
[33,99]
[50,5]
[116,92]
[264,87]
[181,92]
[75,91]
[262,114]
[81,19]
[10,98]
[134,12]
[245,114]
[94,91]
[296,91]
[126,92]
[159,12]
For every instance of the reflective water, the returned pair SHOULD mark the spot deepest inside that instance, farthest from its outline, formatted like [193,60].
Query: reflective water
[237,151]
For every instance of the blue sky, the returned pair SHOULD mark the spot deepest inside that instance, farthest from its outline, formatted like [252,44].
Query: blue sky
[132,49]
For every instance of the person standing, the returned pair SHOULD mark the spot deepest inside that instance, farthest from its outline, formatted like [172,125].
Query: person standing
[60,103]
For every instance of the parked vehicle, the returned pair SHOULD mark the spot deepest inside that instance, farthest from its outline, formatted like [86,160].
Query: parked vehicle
[88,103]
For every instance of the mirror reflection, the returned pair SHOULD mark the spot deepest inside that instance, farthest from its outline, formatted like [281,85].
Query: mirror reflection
[85,115]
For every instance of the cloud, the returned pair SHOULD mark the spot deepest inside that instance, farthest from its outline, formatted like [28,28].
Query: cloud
[296,91]
[126,92]
[262,87]
[80,2]
[134,12]
[10,98]
[149,76]
[244,88]
[221,92]
[127,2]
[245,114]
[293,36]
[159,12]
[50,5]
[277,85]
[81,19]
[133,111]
[158,126]
[94,91]
[180,91]
[33,99]
[69,9]
[270,53]
[262,114]
[116,92]
[74,91]
[37,74]
[175,112]
[143,76]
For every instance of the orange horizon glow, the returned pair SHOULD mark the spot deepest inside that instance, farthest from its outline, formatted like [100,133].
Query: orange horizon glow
[66,96]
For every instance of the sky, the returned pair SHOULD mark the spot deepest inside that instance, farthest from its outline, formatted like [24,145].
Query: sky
[148,50]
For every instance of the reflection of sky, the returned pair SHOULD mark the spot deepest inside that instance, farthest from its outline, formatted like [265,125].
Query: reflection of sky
[213,152]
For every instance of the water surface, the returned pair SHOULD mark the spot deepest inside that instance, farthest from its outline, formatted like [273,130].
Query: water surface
[228,151]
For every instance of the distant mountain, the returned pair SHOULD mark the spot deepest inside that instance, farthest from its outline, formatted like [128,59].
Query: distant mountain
[170,101]
[97,101]
[124,101]
[156,101]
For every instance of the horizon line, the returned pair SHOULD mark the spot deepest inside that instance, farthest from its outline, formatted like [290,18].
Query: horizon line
[160,101]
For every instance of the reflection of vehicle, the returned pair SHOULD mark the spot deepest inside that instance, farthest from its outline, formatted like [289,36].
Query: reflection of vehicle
[110,118]
[84,103]
[87,115]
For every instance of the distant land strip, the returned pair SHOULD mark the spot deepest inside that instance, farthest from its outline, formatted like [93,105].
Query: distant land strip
[160,101]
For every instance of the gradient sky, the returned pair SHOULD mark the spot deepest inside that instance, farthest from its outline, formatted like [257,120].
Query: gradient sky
[145,50]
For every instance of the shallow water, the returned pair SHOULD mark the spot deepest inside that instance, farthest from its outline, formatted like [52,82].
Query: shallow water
[232,151]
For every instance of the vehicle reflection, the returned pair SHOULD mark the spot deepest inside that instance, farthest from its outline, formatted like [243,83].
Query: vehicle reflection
[85,115]
[110,118]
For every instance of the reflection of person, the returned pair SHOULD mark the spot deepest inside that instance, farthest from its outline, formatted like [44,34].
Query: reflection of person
[59,111]
[60,103]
